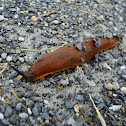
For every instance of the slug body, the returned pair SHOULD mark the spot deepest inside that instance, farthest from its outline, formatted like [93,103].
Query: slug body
[68,57]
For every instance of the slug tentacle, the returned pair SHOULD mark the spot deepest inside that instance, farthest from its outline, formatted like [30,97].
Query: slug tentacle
[68,57]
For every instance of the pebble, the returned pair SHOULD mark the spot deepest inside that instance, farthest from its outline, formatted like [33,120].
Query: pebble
[35,111]
[29,111]
[9,58]
[64,82]
[76,108]
[97,42]
[8,112]
[115,86]
[18,106]
[4,55]
[84,48]
[71,121]
[56,22]
[91,83]
[1,17]
[109,86]
[21,39]
[79,97]
[115,107]
[45,116]
[79,46]
[23,115]
[123,89]
[1,116]
[122,67]
[69,104]
[11,81]
[34,18]
[46,102]
[5,122]
[46,83]
[107,66]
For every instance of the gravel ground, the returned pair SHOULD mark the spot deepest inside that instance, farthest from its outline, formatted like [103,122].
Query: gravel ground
[31,28]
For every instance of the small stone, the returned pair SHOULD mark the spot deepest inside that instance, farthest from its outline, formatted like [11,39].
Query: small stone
[97,42]
[79,97]
[118,102]
[115,107]
[16,16]
[1,116]
[21,39]
[55,22]
[91,83]
[8,112]
[46,102]
[23,115]
[79,46]
[100,18]
[64,82]
[11,81]
[45,116]
[35,111]
[84,48]
[71,121]
[122,67]
[109,86]
[8,59]
[123,89]
[4,122]
[18,106]
[29,111]
[82,60]
[4,55]
[39,57]
[107,66]
[34,18]
[1,17]
[46,83]
[69,104]
[115,86]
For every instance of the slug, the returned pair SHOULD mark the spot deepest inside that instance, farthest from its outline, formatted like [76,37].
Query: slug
[67,57]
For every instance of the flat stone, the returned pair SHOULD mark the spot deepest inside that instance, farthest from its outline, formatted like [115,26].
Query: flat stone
[8,112]
[71,121]
[46,83]
[69,104]
[115,107]
[56,22]
[123,89]
[115,86]
[1,116]
[21,39]
[79,46]
[45,116]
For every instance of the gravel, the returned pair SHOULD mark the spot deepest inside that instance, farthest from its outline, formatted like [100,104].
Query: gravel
[30,29]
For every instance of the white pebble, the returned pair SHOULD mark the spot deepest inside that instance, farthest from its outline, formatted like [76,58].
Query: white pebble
[11,81]
[4,55]
[1,116]
[46,102]
[115,107]
[16,16]
[9,58]
[55,22]
[29,111]
[115,86]
[122,67]
[21,39]
[64,82]
[1,17]
[123,89]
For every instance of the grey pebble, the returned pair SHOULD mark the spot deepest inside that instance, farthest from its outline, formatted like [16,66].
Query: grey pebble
[8,112]
[23,115]
[39,57]
[71,121]
[2,39]
[82,60]
[79,97]
[45,116]
[35,111]
[69,104]
[79,46]
[84,48]
[101,106]
[46,83]
[118,101]
[5,122]
[97,42]
[4,55]
[59,124]
[18,106]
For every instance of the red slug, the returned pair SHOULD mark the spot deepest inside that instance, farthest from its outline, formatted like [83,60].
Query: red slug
[68,57]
